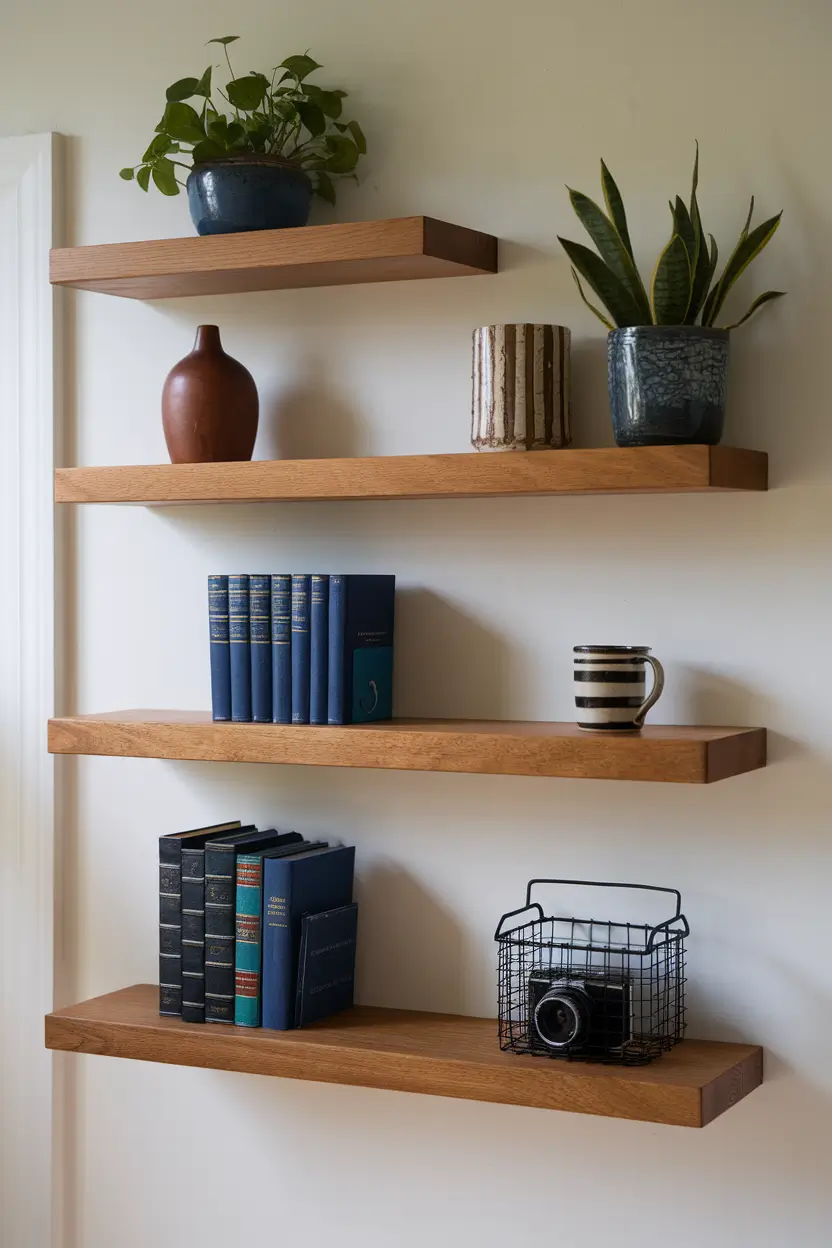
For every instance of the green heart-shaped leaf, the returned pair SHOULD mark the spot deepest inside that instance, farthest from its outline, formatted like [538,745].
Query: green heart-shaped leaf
[128,174]
[299,66]
[164,176]
[247,93]
[226,39]
[182,90]
[184,123]
[143,177]
[312,117]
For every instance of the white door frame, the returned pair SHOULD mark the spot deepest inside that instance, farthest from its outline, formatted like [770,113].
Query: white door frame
[28,416]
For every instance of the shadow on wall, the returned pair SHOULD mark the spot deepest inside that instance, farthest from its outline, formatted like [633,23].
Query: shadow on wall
[309,419]
[409,942]
[447,663]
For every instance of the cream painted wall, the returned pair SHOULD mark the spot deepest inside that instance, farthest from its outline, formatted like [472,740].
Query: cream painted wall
[477,113]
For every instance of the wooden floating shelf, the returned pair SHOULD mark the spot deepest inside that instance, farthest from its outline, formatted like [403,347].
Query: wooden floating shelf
[638,470]
[405,1051]
[316,255]
[490,747]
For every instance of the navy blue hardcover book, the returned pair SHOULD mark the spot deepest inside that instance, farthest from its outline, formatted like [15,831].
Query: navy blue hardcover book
[218,641]
[300,649]
[360,680]
[170,911]
[282,649]
[292,887]
[220,899]
[326,964]
[240,648]
[260,631]
[318,649]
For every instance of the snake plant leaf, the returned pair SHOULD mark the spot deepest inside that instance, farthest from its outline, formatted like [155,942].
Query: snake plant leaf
[758,303]
[615,207]
[611,249]
[671,286]
[591,306]
[683,226]
[745,228]
[746,250]
[614,295]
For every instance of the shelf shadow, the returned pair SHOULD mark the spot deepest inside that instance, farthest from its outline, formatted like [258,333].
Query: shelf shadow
[448,664]
[309,419]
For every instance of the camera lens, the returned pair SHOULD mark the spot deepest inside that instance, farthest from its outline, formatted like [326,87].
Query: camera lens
[560,1016]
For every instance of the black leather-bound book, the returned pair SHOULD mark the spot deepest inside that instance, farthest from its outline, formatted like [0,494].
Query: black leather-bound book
[220,900]
[170,911]
[193,924]
[326,967]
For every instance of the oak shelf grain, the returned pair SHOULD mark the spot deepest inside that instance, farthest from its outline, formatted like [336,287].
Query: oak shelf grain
[605,470]
[485,747]
[316,255]
[406,1051]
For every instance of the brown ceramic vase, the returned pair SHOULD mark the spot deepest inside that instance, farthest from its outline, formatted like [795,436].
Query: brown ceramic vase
[209,405]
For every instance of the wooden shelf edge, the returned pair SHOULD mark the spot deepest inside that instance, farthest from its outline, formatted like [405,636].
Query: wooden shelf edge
[698,469]
[680,755]
[409,1051]
[344,253]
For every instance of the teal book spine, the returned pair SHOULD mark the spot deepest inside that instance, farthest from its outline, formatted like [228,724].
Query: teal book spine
[248,940]
[240,648]
[260,631]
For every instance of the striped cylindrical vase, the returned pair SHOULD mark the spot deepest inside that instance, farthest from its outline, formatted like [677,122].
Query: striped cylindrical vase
[521,388]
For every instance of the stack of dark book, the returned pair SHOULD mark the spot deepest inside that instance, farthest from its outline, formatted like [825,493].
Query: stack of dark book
[255,928]
[301,649]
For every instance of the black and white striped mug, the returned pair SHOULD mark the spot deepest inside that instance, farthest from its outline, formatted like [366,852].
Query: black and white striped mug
[610,687]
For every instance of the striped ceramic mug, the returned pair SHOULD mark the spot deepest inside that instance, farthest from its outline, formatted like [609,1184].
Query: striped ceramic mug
[610,687]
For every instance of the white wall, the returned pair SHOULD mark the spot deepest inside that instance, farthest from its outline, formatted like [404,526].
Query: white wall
[477,113]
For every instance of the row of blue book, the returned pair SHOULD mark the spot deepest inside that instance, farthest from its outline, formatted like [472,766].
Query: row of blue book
[256,928]
[301,649]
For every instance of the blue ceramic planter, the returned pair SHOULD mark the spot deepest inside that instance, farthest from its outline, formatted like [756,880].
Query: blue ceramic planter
[243,193]
[667,384]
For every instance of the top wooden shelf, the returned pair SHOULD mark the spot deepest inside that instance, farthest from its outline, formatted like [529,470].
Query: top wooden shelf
[317,255]
[637,470]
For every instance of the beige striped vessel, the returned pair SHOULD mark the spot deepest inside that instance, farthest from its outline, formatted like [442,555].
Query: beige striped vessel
[521,387]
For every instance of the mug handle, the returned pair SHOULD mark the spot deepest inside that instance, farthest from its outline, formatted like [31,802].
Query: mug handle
[655,692]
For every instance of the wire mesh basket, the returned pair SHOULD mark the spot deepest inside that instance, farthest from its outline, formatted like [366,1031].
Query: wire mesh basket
[591,990]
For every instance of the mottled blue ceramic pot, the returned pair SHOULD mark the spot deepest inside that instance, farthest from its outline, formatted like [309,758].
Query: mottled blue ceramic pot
[240,193]
[667,384]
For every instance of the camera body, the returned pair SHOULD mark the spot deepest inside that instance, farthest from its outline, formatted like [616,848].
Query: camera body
[586,1015]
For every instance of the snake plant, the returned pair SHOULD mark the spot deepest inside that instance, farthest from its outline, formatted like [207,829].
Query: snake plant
[684,289]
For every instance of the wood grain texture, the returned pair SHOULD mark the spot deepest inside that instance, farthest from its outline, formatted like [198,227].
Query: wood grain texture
[316,255]
[649,469]
[492,747]
[407,1051]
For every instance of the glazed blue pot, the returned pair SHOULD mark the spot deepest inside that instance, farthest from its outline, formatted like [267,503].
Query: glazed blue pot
[667,384]
[240,193]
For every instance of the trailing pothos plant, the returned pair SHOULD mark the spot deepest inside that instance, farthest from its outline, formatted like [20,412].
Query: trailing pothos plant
[684,289]
[278,115]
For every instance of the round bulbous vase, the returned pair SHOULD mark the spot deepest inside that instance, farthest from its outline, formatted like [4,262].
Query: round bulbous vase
[667,384]
[210,407]
[237,194]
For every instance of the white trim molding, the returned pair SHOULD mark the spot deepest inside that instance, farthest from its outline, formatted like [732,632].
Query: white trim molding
[28,380]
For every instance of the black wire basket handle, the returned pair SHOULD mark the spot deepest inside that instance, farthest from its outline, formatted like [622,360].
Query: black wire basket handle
[666,925]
